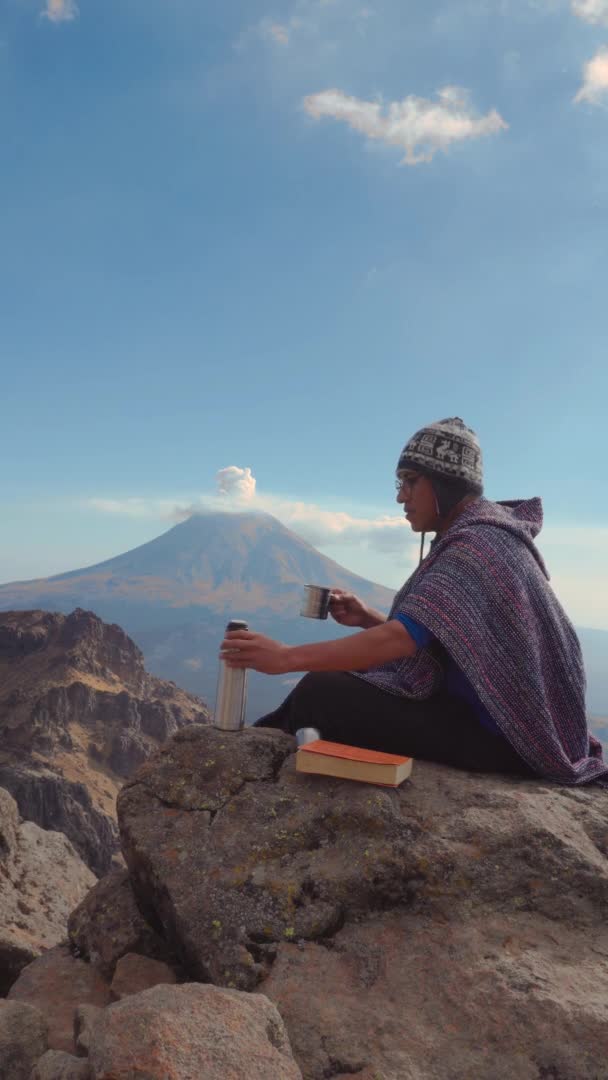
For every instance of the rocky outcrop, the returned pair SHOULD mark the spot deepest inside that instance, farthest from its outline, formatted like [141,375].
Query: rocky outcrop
[78,713]
[41,877]
[455,927]
[63,806]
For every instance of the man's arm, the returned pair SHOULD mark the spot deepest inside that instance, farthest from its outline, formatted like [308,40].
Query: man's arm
[390,641]
[356,653]
[373,618]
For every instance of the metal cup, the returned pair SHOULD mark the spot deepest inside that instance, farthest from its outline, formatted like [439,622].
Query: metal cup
[315,604]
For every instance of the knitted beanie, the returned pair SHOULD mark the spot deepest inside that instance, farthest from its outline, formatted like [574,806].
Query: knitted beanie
[448,452]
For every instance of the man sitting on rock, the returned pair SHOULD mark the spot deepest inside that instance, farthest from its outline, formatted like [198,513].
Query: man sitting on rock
[477,664]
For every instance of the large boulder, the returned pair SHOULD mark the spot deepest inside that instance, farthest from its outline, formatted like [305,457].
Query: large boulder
[501,997]
[23,1039]
[453,927]
[183,1032]
[41,878]
[57,984]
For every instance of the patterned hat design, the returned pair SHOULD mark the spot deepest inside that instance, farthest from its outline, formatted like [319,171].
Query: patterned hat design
[448,448]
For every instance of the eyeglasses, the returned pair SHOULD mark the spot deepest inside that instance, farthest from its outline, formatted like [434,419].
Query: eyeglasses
[406,483]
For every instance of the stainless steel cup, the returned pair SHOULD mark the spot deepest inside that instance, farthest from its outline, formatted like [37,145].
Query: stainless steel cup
[315,604]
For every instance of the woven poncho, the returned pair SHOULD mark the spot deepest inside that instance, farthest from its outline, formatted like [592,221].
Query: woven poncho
[483,592]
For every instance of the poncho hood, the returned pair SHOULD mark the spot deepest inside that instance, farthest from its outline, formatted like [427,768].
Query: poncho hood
[521,518]
[483,593]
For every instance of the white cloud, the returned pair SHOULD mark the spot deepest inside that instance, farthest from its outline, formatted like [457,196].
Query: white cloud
[236,483]
[60,10]
[134,507]
[593,11]
[236,491]
[387,533]
[419,126]
[595,80]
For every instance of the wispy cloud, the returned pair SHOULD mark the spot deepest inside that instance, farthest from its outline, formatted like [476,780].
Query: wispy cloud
[60,10]
[135,507]
[237,491]
[308,19]
[594,88]
[279,33]
[593,11]
[417,125]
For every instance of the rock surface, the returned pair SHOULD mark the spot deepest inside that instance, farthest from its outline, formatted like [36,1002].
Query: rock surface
[79,712]
[136,973]
[183,1032]
[108,924]
[57,1065]
[56,984]
[507,997]
[23,1039]
[454,927]
[41,878]
[65,806]
[86,1018]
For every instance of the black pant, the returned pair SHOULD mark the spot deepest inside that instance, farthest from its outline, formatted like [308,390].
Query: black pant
[349,710]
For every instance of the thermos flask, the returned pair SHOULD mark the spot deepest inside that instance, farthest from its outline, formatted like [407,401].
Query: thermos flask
[231,694]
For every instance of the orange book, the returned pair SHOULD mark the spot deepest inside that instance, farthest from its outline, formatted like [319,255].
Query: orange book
[353,763]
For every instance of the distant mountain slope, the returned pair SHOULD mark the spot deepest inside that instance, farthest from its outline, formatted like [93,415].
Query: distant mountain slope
[174,595]
[221,562]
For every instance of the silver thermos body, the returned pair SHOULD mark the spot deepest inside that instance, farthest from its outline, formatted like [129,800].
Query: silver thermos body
[231,696]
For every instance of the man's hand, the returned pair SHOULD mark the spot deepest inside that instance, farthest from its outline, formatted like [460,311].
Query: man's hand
[348,610]
[244,649]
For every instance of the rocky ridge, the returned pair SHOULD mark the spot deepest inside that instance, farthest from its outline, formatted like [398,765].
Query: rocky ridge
[78,713]
[41,879]
[449,929]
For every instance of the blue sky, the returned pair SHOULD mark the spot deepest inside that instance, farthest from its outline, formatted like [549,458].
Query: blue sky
[215,253]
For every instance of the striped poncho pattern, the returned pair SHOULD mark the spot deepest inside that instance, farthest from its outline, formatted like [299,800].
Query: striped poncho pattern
[483,592]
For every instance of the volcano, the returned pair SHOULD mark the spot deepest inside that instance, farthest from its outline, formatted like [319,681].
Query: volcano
[175,594]
[226,563]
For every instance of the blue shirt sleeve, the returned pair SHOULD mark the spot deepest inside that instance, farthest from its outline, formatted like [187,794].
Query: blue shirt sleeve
[419,633]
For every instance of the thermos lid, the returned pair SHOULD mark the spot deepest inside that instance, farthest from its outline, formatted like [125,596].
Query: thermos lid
[237,624]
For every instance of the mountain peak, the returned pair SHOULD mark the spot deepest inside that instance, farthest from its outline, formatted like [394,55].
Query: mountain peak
[218,560]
